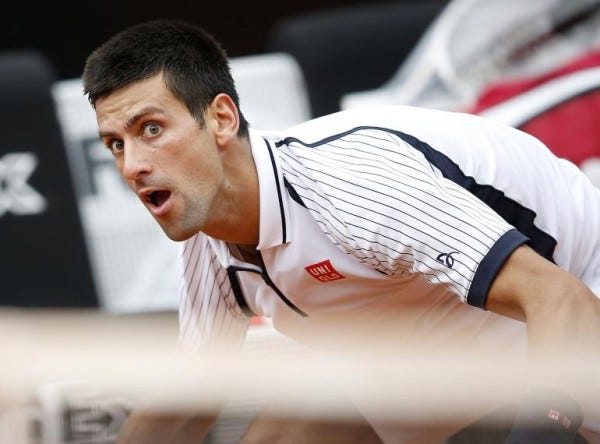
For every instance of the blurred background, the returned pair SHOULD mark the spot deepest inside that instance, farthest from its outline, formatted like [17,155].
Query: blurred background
[73,236]
[66,33]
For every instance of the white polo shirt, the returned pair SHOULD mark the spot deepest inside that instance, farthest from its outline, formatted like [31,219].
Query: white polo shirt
[372,214]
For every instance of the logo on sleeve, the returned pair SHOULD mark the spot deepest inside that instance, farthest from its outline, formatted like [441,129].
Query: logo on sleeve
[446,259]
[324,271]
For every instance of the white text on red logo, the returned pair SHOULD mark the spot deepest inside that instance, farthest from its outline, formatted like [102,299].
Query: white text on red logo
[324,271]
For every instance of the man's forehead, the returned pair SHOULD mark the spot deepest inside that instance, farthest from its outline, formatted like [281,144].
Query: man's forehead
[141,97]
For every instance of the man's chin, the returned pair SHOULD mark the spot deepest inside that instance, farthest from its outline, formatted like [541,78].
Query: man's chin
[178,234]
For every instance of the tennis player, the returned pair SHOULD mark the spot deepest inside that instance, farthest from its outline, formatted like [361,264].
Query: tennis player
[393,223]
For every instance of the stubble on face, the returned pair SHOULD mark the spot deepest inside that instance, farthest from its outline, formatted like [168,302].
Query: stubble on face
[197,206]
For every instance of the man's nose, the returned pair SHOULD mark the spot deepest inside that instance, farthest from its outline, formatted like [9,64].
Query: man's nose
[136,161]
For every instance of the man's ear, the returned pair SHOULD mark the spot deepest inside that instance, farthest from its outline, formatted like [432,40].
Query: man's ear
[226,117]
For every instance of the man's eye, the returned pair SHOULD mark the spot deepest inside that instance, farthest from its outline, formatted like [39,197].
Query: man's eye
[116,145]
[152,129]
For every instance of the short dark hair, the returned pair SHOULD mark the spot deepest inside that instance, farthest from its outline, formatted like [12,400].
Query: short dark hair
[194,65]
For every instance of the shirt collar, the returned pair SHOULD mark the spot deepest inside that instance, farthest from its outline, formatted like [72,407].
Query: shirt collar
[274,226]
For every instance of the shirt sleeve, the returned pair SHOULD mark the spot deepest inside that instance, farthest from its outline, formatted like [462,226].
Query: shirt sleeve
[209,316]
[383,202]
[422,222]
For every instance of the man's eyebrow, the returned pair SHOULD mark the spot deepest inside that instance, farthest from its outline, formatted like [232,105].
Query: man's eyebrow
[143,112]
[132,120]
[106,134]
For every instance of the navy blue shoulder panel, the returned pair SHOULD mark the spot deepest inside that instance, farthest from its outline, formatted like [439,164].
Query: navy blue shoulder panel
[519,216]
[522,218]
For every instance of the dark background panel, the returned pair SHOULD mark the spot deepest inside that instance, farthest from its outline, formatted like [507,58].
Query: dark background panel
[341,45]
[67,32]
[43,257]
[354,48]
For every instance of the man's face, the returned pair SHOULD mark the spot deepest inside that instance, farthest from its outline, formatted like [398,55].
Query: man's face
[166,158]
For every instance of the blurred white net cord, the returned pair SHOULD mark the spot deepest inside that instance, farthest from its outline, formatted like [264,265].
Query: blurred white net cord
[91,368]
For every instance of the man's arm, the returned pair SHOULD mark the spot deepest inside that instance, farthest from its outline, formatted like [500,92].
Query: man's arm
[563,327]
[561,312]
[209,320]
[145,427]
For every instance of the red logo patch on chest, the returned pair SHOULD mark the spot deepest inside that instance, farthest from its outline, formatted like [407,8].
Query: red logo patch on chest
[324,271]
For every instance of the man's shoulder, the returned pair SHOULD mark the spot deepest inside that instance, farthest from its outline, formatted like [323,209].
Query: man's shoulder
[401,118]
[369,115]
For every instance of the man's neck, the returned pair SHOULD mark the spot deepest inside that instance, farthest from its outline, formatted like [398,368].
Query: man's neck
[237,208]
[245,253]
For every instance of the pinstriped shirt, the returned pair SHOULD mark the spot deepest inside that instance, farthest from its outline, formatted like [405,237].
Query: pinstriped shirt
[367,214]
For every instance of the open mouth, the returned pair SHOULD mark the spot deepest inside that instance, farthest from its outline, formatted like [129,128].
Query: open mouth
[158,198]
